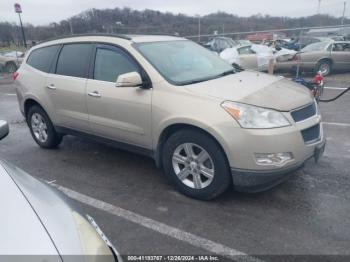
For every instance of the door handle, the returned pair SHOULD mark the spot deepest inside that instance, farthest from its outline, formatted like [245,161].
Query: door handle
[95,94]
[51,86]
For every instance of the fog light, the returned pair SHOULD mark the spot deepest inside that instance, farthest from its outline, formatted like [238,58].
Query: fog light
[272,158]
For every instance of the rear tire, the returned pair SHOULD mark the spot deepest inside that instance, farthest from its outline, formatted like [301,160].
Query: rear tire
[325,67]
[42,129]
[204,173]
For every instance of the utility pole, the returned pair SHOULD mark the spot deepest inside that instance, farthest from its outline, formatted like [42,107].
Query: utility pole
[319,7]
[342,20]
[71,27]
[18,10]
[319,11]
[199,28]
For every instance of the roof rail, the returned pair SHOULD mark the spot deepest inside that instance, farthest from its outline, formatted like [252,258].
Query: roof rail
[87,34]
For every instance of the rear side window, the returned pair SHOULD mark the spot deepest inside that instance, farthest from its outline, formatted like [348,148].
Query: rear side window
[42,58]
[74,60]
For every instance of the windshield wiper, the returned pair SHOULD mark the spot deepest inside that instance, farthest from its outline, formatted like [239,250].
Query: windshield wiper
[195,81]
[229,72]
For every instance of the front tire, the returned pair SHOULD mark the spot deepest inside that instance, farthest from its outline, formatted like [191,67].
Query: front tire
[42,129]
[196,165]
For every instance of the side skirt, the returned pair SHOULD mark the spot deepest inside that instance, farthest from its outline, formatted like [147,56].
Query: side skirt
[116,144]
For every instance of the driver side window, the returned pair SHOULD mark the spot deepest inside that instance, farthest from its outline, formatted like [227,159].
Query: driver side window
[110,63]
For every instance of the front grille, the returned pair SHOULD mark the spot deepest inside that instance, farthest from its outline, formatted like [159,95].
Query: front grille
[304,113]
[311,134]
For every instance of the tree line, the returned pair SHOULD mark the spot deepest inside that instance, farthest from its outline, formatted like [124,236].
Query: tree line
[129,21]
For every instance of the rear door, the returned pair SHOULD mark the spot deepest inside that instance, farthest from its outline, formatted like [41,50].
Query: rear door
[118,113]
[341,56]
[67,86]
[248,58]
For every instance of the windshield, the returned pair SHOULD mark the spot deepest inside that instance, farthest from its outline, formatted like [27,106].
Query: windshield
[320,46]
[184,62]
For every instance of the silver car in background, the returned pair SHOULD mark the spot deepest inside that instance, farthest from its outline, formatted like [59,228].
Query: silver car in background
[324,57]
[10,61]
[38,223]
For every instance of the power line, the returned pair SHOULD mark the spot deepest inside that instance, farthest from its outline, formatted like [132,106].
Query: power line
[272,30]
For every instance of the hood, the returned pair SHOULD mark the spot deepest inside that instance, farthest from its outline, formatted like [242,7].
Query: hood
[21,230]
[55,213]
[257,89]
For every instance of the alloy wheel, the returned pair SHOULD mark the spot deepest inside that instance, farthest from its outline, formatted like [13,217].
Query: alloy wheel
[193,166]
[324,68]
[39,127]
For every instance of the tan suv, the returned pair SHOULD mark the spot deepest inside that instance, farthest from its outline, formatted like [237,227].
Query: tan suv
[169,98]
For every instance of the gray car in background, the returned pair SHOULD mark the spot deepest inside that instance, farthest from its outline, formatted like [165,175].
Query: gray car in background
[38,223]
[325,57]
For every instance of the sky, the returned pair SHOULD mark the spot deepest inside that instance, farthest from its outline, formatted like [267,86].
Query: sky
[42,12]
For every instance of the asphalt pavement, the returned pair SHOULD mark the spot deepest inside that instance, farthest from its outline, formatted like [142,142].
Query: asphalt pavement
[307,215]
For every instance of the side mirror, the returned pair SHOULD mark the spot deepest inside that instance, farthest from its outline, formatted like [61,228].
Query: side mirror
[132,79]
[4,129]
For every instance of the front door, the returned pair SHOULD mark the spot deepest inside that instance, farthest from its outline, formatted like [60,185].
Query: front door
[248,58]
[119,113]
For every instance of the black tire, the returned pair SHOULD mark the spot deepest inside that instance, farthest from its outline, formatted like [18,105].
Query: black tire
[222,175]
[10,67]
[53,138]
[325,66]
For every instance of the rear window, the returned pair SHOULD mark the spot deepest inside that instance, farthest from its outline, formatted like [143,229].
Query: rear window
[74,60]
[42,58]
[320,46]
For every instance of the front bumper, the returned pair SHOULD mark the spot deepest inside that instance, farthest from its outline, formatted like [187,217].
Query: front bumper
[253,181]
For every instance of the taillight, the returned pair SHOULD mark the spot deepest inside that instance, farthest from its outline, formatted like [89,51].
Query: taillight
[15,75]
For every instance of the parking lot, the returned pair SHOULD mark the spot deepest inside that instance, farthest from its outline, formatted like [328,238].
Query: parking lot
[141,213]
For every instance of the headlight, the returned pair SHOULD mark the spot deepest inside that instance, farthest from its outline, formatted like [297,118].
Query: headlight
[94,248]
[255,117]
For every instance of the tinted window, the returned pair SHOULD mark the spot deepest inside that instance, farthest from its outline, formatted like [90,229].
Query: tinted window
[74,60]
[42,58]
[109,64]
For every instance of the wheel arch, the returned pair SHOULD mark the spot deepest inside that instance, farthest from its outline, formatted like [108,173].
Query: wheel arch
[28,103]
[325,59]
[173,128]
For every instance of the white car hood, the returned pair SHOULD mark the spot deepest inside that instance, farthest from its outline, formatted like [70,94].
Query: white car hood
[21,230]
[55,212]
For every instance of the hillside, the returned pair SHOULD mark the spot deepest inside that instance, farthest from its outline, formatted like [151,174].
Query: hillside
[148,21]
